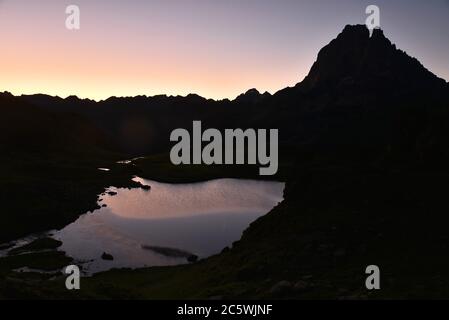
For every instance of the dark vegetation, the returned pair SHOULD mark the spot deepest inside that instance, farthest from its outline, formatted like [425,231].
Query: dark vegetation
[364,152]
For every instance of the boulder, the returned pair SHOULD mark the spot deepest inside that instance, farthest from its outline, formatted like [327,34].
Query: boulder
[107,256]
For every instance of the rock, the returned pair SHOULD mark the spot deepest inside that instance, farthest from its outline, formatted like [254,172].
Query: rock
[146,188]
[171,252]
[192,258]
[107,256]
[112,193]
[301,286]
[281,287]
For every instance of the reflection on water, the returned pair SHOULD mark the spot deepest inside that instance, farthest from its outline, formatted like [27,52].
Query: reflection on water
[199,218]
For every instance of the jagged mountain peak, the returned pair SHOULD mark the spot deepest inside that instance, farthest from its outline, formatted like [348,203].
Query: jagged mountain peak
[355,57]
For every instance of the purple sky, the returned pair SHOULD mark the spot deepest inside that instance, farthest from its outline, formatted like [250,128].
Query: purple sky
[214,48]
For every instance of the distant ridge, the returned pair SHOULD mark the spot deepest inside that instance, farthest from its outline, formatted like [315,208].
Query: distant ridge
[252,96]
[358,84]
[352,57]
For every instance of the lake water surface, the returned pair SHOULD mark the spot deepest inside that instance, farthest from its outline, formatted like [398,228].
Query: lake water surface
[197,218]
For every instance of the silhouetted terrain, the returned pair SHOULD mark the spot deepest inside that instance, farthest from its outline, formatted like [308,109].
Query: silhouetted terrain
[363,147]
[361,91]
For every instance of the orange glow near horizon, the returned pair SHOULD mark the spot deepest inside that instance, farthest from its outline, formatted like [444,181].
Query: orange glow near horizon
[109,57]
[90,73]
[176,47]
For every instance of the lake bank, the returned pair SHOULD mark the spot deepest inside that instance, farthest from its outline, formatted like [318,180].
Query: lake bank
[201,218]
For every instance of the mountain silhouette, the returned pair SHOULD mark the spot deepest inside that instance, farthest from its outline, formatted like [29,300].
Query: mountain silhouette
[361,91]
[370,62]
[28,128]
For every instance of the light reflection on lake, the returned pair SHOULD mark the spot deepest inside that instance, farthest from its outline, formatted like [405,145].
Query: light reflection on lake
[200,218]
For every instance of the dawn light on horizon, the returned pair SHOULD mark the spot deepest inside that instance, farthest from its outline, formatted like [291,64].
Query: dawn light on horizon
[214,49]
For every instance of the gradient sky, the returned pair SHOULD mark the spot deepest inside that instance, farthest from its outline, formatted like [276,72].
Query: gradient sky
[217,49]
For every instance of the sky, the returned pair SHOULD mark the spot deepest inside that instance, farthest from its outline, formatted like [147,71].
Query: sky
[217,49]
